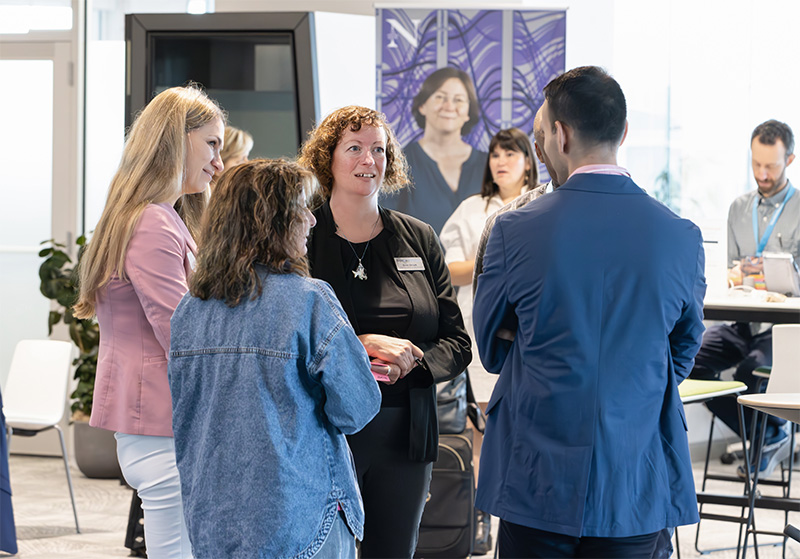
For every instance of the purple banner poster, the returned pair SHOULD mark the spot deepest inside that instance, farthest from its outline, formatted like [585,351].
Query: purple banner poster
[507,55]
[510,55]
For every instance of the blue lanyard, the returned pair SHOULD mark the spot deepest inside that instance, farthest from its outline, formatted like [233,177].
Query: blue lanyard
[775,215]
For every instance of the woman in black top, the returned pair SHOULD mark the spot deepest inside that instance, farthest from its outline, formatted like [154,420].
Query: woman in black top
[388,271]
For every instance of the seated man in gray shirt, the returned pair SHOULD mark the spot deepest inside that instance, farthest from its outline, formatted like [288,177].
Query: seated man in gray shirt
[774,210]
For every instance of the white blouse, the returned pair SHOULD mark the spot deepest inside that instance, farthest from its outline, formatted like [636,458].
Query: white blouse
[460,236]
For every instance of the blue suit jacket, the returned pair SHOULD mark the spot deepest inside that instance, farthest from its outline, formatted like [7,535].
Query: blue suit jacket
[586,434]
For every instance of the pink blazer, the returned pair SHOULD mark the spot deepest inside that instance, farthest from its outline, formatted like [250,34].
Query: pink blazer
[131,392]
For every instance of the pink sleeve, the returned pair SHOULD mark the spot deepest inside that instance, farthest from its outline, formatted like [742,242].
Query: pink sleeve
[155,267]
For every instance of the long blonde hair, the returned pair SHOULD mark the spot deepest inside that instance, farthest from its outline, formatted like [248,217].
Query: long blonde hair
[151,171]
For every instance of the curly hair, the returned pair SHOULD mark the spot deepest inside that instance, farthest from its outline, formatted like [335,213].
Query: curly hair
[254,217]
[317,153]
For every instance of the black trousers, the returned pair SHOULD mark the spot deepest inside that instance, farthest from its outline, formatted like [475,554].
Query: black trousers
[733,345]
[518,542]
[393,488]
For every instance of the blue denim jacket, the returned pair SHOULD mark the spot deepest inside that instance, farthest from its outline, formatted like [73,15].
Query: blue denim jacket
[263,394]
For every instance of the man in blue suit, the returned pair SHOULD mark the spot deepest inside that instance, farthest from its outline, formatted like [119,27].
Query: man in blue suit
[585,452]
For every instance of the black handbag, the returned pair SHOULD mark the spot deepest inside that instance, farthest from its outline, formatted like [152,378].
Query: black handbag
[451,404]
[455,402]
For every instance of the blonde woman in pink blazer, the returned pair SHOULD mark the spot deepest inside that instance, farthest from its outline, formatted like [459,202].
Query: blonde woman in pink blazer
[133,275]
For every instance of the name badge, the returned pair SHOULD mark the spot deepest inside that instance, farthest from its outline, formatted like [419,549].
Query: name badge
[409,264]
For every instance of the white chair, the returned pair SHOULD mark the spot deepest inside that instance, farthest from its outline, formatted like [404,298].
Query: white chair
[782,399]
[35,396]
[784,380]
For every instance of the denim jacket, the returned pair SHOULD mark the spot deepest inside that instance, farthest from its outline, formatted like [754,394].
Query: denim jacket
[263,394]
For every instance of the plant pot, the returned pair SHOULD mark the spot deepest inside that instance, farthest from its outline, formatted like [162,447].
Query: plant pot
[96,451]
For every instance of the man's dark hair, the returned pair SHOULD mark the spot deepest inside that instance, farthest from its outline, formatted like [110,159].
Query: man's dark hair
[590,102]
[771,131]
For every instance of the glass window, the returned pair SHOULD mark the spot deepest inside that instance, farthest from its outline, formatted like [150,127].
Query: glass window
[25,215]
[17,17]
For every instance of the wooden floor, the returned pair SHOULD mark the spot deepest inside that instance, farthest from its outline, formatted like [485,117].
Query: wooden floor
[45,527]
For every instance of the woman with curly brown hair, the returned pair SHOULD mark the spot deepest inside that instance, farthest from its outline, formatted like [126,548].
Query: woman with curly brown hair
[388,271]
[266,378]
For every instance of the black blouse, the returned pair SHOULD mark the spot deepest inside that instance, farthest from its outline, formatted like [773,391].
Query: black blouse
[434,322]
[381,303]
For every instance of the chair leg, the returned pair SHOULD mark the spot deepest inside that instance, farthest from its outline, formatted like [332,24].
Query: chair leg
[703,487]
[746,449]
[69,477]
[754,485]
[788,489]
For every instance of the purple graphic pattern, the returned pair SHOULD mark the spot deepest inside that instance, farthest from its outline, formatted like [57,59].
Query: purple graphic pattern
[474,39]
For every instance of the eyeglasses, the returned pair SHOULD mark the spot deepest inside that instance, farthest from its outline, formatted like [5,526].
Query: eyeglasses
[455,100]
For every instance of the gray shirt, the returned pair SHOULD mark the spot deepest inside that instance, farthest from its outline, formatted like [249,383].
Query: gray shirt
[785,236]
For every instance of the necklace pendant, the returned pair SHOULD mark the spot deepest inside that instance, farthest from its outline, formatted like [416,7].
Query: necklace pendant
[360,272]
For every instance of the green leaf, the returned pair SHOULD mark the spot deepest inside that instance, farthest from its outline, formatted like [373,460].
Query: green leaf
[52,320]
[52,288]
[59,258]
[67,296]
[58,281]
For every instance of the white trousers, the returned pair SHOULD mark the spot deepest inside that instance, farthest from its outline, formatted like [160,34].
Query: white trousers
[148,464]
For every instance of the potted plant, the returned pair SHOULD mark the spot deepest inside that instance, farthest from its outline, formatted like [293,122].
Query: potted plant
[95,449]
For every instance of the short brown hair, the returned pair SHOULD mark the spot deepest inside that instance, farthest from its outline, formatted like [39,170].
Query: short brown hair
[252,218]
[591,102]
[317,153]
[773,130]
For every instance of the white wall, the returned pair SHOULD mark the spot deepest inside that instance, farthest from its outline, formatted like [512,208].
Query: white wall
[345,60]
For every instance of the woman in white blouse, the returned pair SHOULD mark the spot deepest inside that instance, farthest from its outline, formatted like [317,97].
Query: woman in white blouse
[510,171]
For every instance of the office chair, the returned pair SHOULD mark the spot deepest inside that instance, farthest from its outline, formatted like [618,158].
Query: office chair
[35,396]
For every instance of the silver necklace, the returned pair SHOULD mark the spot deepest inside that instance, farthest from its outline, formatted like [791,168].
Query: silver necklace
[360,272]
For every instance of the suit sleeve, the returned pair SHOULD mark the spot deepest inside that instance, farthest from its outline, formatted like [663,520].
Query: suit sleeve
[479,254]
[154,264]
[492,310]
[450,353]
[687,335]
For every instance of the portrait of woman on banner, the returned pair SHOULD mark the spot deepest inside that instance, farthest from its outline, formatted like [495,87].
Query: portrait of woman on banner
[445,169]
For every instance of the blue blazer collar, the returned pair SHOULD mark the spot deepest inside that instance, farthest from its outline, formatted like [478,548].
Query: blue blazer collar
[608,184]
